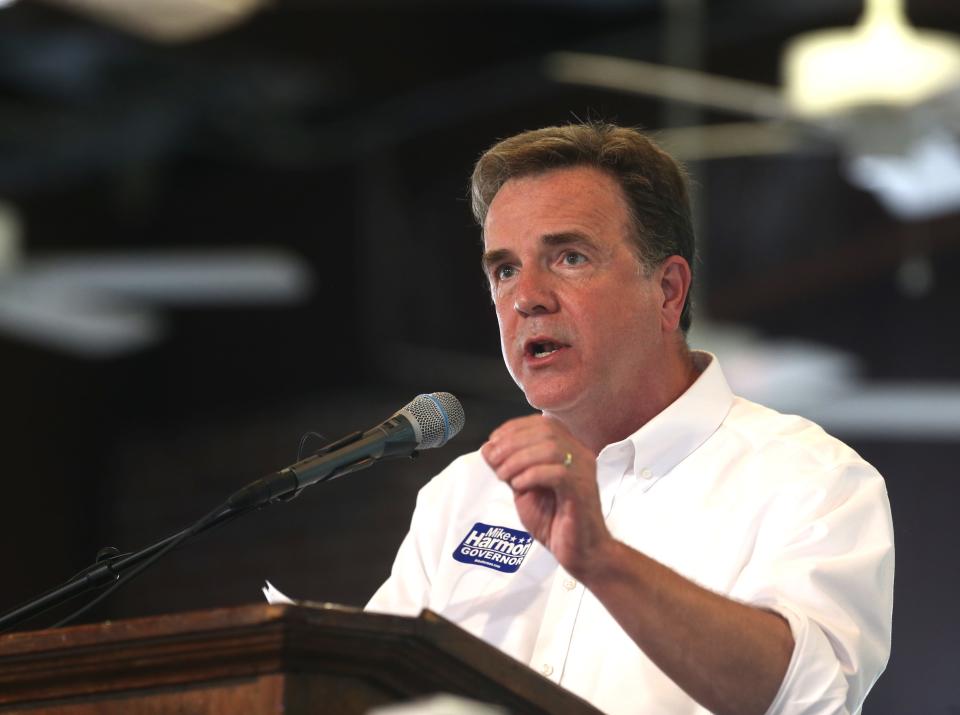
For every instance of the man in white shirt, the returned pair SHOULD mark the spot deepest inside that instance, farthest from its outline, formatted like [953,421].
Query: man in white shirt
[649,541]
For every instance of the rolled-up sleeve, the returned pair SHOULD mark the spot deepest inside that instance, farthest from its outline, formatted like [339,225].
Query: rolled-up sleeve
[824,560]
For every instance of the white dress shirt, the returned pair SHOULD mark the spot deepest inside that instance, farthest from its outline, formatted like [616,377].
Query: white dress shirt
[761,507]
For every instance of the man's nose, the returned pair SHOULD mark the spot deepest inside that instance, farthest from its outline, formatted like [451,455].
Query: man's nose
[534,293]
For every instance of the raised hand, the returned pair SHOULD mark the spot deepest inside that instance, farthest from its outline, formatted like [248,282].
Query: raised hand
[554,481]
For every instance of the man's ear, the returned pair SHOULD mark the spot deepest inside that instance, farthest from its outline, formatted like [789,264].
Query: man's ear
[675,279]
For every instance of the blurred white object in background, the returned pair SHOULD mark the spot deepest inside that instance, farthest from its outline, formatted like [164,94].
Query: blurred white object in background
[11,238]
[790,375]
[921,182]
[441,704]
[826,385]
[106,305]
[167,20]
[881,60]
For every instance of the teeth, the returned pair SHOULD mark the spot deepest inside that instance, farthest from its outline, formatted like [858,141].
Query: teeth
[544,349]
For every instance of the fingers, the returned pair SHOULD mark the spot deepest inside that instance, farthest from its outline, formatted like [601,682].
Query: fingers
[539,453]
[509,459]
[529,429]
[521,430]
[534,452]
[519,442]
[541,476]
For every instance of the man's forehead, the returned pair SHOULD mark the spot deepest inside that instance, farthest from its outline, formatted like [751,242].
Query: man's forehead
[572,192]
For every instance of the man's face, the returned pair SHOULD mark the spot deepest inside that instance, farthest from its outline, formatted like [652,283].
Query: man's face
[580,323]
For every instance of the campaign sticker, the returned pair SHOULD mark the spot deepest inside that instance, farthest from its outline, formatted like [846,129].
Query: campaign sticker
[495,547]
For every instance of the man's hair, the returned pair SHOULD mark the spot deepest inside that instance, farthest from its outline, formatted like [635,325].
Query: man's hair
[653,184]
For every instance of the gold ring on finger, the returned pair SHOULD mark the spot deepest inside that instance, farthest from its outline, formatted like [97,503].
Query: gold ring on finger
[567,459]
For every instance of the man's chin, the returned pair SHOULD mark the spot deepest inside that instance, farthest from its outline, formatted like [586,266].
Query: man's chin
[554,401]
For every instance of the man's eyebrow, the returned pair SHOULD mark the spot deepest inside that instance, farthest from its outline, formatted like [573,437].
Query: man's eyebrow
[567,238]
[491,258]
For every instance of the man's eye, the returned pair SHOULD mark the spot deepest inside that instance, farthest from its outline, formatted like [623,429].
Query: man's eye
[504,272]
[572,258]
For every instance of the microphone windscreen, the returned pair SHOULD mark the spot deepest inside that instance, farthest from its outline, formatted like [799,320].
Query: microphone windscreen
[435,418]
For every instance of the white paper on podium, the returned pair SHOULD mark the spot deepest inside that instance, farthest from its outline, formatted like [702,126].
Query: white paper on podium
[439,704]
[274,596]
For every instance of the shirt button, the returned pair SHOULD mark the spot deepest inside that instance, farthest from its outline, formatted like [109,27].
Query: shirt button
[569,584]
[645,473]
[547,669]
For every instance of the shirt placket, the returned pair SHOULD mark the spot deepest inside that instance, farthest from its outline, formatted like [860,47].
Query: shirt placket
[566,594]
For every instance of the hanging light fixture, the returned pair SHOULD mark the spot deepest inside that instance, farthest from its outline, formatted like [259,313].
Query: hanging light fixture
[883,60]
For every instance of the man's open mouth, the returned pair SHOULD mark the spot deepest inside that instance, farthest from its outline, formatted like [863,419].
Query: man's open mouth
[542,348]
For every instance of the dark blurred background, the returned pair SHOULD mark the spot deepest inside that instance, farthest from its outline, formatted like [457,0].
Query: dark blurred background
[217,235]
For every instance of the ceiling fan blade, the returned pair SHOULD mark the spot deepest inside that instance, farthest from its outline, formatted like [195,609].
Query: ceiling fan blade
[945,108]
[737,139]
[166,20]
[672,83]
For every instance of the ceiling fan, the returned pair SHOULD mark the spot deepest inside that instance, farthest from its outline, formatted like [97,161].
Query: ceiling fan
[108,305]
[884,92]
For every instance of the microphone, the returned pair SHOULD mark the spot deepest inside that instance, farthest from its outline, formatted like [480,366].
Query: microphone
[427,421]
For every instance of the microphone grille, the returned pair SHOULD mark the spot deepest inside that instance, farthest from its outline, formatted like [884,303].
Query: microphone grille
[436,417]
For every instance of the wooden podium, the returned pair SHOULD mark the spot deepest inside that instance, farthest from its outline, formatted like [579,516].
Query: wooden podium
[263,659]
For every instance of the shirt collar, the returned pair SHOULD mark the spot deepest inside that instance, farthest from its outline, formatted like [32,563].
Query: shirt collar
[685,424]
